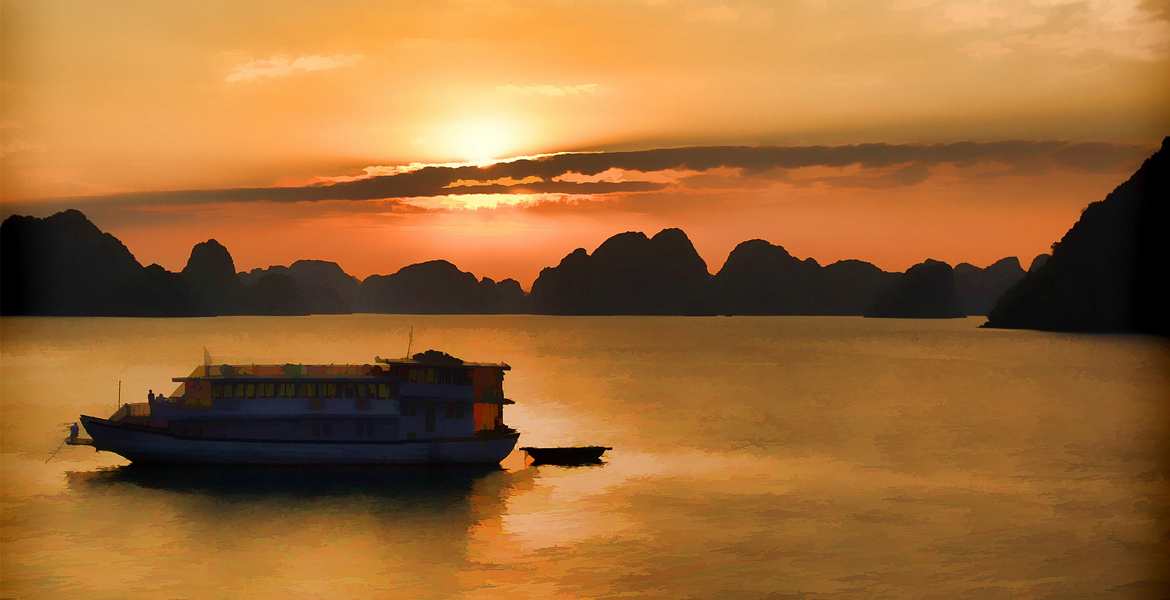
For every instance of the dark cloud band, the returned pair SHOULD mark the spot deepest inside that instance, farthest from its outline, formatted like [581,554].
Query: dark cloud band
[434,180]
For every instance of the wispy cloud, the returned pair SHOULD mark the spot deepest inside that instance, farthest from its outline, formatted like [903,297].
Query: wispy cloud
[717,14]
[18,145]
[1131,29]
[985,49]
[550,90]
[281,66]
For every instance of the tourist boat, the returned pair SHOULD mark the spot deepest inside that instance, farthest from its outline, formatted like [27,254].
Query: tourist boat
[566,455]
[428,409]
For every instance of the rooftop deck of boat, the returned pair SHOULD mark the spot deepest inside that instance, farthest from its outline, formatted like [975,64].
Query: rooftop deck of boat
[381,368]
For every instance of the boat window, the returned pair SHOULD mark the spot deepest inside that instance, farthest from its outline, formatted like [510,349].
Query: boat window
[350,392]
[217,390]
[270,390]
[444,377]
[383,390]
[407,409]
[364,428]
[372,390]
[322,429]
[239,390]
[250,391]
[228,391]
[455,411]
[339,390]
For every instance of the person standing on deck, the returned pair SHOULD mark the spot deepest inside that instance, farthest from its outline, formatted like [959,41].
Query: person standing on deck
[73,431]
[150,396]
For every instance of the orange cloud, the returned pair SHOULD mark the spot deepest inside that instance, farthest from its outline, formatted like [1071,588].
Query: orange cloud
[550,90]
[281,66]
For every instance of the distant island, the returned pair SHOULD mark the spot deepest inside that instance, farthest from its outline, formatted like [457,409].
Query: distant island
[1100,277]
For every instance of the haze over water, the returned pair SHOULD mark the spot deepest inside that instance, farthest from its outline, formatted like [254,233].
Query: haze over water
[770,457]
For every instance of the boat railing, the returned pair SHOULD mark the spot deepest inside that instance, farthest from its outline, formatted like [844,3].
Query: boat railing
[133,409]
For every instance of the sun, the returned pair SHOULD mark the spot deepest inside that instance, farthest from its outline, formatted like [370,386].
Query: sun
[482,140]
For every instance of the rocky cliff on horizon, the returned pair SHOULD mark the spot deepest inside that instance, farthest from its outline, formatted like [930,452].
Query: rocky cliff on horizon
[323,285]
[1106,273]
[978,289]
[211,272]
[63,265]
[439,287]
[628,274]
[925,291]
[760,278]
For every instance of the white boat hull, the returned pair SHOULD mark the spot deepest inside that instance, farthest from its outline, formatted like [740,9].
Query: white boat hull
[154,445]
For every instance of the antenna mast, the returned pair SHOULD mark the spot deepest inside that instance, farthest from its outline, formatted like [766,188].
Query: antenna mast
[410,341]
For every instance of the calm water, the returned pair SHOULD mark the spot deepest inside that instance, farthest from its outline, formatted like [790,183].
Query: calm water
[776,458]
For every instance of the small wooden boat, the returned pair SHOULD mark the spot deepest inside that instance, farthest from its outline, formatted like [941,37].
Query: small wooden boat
[574,455]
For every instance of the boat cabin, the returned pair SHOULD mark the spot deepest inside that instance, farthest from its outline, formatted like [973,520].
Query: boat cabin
[402,399]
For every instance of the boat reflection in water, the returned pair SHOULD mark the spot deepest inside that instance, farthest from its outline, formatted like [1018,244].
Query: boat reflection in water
[336,532]
[405,481]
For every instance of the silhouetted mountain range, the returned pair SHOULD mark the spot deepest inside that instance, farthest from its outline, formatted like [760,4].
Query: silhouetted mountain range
[1105,273]
[1100,277]
[64,265]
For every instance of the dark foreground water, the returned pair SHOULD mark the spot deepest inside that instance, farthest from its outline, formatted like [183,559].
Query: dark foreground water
[769,458]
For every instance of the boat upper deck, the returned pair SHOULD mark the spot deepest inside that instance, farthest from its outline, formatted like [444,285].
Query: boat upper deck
[404,368]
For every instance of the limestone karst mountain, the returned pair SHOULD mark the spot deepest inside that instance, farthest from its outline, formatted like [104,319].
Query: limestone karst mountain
[1106,273]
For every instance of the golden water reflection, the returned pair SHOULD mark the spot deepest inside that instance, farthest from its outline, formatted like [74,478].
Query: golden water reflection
[829,458]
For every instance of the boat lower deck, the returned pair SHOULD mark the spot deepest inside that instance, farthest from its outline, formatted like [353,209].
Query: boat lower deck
[142,443]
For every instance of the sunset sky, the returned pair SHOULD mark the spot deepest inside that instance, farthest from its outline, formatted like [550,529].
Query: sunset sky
[502,135]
